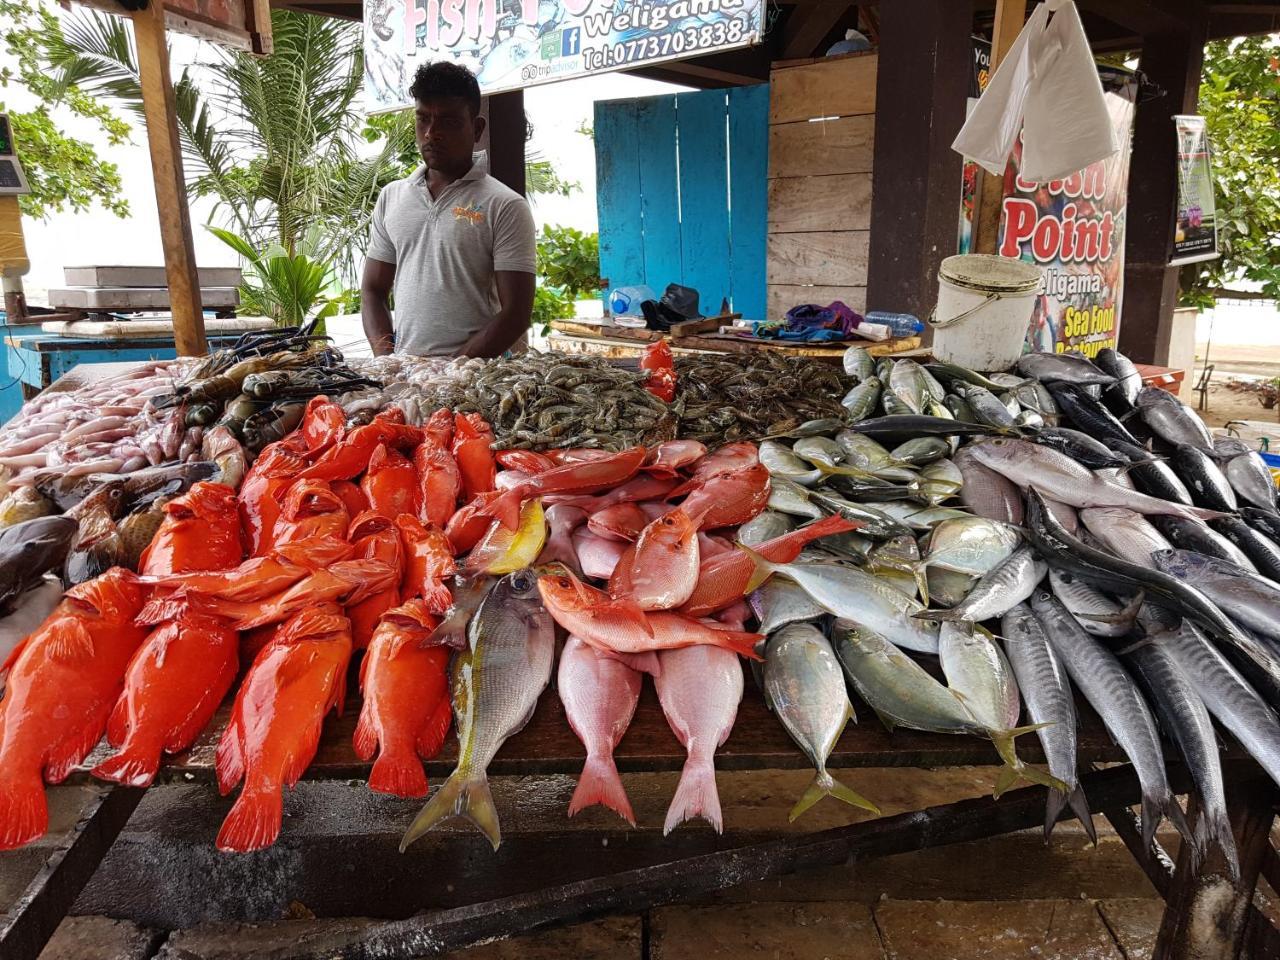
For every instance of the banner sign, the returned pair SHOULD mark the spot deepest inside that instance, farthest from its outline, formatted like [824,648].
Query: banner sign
[1196,235]
[979,75]
[511,44]
[1074,230]
[237,24]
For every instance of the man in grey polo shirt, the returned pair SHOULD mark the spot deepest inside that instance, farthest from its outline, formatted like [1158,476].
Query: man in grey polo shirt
[455,245]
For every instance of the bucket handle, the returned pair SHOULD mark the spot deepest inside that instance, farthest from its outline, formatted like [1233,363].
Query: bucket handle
[939,324]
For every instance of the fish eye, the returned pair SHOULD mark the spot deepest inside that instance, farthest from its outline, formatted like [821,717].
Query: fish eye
[563,582]
[521,582]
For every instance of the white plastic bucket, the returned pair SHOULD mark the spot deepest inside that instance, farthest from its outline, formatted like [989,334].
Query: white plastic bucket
[984,309]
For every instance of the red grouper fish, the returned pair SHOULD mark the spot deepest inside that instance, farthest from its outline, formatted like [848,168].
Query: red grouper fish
[473,451]
[390,482]
[200,531]
[375,538]
[62,681]
[323,425]
[439,482]
[184,668]
[352,497]
[428,563]
[262,493]
[586,477]
[622,627]
[297,678]
[406,711]
[600,696]
[312,511]
[349,457]
[439,427]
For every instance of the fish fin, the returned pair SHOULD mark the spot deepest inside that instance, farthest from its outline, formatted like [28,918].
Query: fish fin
[68,754]
[305,753]
[628,609]
[253,822]
[437,597]
[1126,616]
[118,722]
[1080,807]
[69,640]
[134,766]
[462,795]
[399,774]
[1216,830]
[446,634]
[431,736]
[24,812]
[1007,777]
[921,572]
[365,739]
[505,508]
[889,723]
[294,668]
[1004,743]
[228,760]
[824,785]
[1173,811]
[646,662]
[761,569]
[159,609]
[741,642]
[696,796]
[600,783]
[940,615]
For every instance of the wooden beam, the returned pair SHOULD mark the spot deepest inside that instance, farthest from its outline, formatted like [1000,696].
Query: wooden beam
[1172,60]
[508,130]
[924,61]
[1140,16]
[1010,16]
[170,182]
[807,27]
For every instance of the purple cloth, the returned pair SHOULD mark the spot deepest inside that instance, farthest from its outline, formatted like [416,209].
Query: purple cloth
[836,316]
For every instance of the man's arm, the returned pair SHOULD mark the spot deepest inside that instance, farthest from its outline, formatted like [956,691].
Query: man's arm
[375,294]
[515,294]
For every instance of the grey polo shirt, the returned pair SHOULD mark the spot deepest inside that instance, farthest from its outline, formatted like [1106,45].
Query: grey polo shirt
[446,250]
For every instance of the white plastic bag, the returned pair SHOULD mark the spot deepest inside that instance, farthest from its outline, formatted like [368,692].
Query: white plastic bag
[1047,86]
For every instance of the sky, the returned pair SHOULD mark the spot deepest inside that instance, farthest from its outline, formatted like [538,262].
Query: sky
[556,112]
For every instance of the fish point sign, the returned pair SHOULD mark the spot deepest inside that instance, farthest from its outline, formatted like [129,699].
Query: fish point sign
[511,44]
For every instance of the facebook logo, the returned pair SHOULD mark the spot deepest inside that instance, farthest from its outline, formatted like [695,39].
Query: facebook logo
[570,42]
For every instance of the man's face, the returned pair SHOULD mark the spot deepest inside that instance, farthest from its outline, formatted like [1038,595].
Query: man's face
[447,133]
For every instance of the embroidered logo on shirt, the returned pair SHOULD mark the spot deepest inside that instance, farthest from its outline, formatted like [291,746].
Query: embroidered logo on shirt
[468,212]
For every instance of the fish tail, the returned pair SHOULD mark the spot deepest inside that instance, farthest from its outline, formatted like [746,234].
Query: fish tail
[464,795]
[1054,805]
[761,569]
[1015,768]
[1215,830]
[24,813]
[825,785]
[740,642]
[135,764]
[600,783]
[254,820]
[695,796]
[398,773]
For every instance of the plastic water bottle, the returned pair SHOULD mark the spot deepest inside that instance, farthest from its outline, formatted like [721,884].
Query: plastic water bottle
[901,324]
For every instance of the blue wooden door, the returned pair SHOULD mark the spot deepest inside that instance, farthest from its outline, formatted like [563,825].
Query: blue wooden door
[682,194]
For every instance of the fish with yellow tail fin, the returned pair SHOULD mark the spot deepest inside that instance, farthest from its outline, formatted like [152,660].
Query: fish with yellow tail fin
[496,680]
[805,688]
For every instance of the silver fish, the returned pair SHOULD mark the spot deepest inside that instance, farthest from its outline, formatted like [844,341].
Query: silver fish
[1185,718]
[1100,677]
[849,593]
[1058,477]
[1042,681]
[1062,368]
[986,407]
[790,498]
[985,492]
[907,381]
[1249,599]
[779,602]
[861,400]
[1250,478]
[921,518]
[765,525]
[1229,697]
[496,681]
[1094,611]
[972,545]
[1172,420]
[805,687]
[781,462]
[858,364]
[947,587]
[1007,585]
[1126,534]
[939,481]
[921,450]
[979,675]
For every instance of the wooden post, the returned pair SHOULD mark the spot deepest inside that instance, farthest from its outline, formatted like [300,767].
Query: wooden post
[1172,59]
[171,186]
[507,128]
[1010,16]
[924,61]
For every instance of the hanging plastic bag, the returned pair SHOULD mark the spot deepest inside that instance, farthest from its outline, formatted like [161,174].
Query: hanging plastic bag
[1047,85]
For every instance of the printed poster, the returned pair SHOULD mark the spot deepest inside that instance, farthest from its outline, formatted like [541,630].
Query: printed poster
[1075,229]
[512,44]
[1196,234]
[978,77]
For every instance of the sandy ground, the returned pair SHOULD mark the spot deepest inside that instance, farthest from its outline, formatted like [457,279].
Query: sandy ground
[1231,362]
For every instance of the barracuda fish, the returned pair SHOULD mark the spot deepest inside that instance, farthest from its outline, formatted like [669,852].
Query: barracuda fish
[1043,682]
[1108,688]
